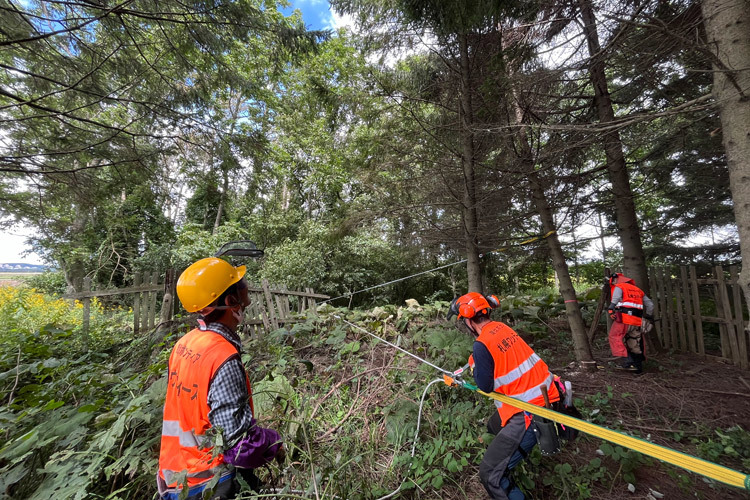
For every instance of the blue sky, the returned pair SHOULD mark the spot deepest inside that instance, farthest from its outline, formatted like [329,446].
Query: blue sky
[316,14]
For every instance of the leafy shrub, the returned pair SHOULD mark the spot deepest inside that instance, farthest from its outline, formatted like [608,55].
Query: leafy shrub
[49,282]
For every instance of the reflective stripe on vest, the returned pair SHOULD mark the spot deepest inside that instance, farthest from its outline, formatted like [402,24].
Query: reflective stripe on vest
[631,305]
[512,375]
[171,428]
[533,393]
[193,364]
[519,371]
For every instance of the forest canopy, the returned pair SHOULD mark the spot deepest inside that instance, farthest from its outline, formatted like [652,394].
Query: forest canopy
[143,135]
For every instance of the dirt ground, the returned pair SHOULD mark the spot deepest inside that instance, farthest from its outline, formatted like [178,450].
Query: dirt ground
[676,393]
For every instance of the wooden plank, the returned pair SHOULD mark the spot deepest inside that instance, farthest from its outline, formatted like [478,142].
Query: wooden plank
[697,311]
[165,315]
[114,291]
[670,310]
[727,309]
[144,305]
[597,317]
[269,305]
[688,309]
[723,334]
[708,281]
[86,311]
[739,317]
[136,303]
[680,318]
[274,289]
[279,299]
[152,314]
[663,332]
[732,332]
[714,319]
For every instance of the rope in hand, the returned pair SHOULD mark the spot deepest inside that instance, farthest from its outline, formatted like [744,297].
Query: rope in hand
[699,466]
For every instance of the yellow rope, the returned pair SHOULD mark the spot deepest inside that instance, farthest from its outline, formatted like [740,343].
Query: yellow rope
[697,465]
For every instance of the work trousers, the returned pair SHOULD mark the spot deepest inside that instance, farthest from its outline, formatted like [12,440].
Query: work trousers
[626,341]
[512,443]
[229,489]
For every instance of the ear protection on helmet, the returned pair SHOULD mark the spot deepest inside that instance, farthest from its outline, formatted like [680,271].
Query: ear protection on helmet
[466,311]
[493,301]
[469,305]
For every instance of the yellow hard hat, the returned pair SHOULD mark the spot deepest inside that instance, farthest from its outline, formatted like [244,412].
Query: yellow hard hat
[204,281]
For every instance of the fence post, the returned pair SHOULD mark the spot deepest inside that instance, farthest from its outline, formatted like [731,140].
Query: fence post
[152,301]
[269,305]
[726,312]
[86,310]
[166,303]
[739,316]
[688,309]
[136,303]
[697,310]
[680,316]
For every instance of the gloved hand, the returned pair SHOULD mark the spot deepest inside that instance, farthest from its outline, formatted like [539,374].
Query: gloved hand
[612,314]
[449,381]
[280,455]
[647,323]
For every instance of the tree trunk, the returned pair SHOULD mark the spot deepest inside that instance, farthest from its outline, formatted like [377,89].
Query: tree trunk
[572,309]
[728,31]
[627,222]
[562,272]
[224,190]
[469,202]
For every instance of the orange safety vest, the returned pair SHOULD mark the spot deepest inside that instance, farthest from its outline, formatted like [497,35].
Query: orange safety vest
[631,306]
[192,365]
[519,371]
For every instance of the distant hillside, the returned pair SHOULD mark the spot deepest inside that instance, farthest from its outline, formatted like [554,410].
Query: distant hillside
[16,267]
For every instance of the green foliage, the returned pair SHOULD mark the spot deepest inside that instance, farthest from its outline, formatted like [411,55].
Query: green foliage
[194,243]
[733,442]
[81,417]
[49,282]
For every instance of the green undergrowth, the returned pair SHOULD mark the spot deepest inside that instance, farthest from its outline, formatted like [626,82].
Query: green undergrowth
[84,423]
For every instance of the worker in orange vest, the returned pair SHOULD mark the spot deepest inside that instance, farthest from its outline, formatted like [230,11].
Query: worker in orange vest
[631,312]
[208,393]
[503,363]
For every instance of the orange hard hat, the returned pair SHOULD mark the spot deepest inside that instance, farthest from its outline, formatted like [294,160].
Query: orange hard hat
[469,305]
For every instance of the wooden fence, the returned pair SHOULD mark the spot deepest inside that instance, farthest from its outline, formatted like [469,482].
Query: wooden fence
[271,306]
[689,304]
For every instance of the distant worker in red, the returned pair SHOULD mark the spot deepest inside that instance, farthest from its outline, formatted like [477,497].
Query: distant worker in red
[503,363]
[632,316]
[208,392]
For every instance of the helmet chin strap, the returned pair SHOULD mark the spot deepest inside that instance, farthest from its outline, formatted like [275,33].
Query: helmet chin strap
[469,324]
[237,311]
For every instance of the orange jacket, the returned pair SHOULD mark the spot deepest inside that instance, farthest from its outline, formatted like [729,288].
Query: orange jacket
[192,365]
[631,306]
[519,371]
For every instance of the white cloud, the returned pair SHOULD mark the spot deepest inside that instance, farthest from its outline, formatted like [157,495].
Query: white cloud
[337,21]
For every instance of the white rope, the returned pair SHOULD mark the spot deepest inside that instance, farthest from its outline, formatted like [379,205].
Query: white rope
[394,281]
[416,435]
[393,345]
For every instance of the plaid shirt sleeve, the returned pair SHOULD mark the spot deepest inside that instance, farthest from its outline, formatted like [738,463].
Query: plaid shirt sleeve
[229,402]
